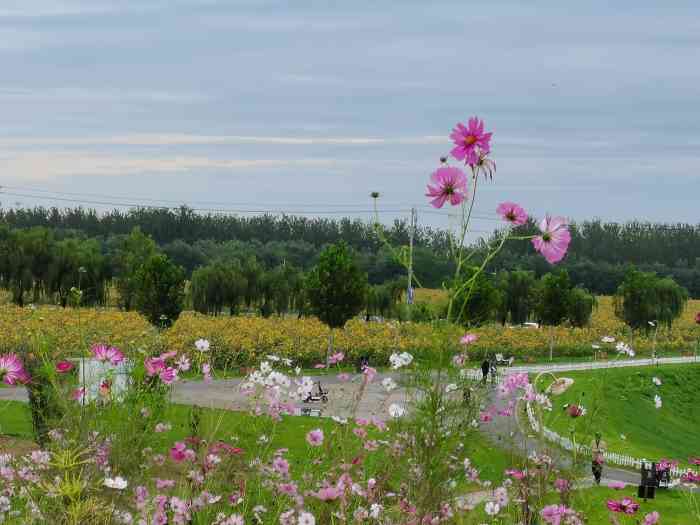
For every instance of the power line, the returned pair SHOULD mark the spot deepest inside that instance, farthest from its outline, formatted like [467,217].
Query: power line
[140,202]
[210,210]
[171,201]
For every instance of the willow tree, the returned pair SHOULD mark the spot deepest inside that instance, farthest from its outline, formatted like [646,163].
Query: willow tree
[644,298]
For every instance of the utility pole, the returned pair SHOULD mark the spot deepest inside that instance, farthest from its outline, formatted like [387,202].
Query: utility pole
[412,233]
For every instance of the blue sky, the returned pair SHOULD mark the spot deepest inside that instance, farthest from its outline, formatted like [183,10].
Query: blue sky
[309,106]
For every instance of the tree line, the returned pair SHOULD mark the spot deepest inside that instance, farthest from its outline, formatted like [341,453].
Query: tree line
[38,265]
[599,256]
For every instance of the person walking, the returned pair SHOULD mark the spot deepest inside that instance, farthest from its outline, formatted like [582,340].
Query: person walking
[598,448]
[485,366]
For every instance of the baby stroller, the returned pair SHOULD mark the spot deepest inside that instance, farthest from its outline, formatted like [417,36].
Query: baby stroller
[319,395]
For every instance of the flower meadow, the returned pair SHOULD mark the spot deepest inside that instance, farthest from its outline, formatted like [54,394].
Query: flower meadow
[241,341]
[132,456]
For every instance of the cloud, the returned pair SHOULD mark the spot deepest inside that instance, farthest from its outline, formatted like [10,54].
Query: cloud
[183,139]
[47,166]
[101,95]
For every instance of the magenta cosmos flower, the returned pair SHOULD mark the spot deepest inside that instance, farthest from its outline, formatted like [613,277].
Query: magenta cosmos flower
[64,366]
[625,505]
[315,438]
[447,183]
[697,317]
[512,213]
[471,143]
[106,353]
[555,239]
[468,339]
[12,370]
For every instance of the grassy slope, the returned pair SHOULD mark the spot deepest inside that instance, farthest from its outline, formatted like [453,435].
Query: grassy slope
[621,401]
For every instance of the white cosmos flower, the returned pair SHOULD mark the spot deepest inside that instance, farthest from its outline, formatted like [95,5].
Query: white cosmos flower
[118,483]
[399,360]
[451,388]
[306,518]
[656,381]
[389,384]
[202,345]
[396,410]
[657,401]
[608,339]
[492,508]
[624,349]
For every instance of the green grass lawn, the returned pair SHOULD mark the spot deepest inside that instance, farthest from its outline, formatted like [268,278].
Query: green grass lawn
[621,402]
[675,507]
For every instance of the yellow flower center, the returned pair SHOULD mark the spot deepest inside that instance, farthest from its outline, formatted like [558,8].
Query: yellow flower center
[469,140]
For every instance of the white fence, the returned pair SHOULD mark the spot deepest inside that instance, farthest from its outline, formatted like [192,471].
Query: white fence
[610,457]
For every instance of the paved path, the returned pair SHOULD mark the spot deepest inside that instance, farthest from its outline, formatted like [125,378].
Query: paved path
[507,433]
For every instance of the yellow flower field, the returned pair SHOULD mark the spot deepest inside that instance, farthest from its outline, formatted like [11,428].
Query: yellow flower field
[244,340]
[71,332]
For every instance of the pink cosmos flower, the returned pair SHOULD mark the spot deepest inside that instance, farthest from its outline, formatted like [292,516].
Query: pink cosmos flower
[625,505]
[459,360]
[512,213]
[12,370]
[290,489]
[555,239]
[327,494]
[617,485]
[179,452]
[515,474]
[206,372]
[336,358]
[694,461]
[78,394]
[470,141]
[106,353]
[164,483]
[168,375]
[690,477]
[344,377]
[64,366]
[697,318]
[468,339]
[378,423]
[575,411]
[562,485]
[154,365]
[651,519]
[667,464]
[281,466]
[447,183]
[485,417]
[315,437]
[553,514]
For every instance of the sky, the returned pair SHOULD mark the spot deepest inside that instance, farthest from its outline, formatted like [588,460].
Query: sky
[307,107]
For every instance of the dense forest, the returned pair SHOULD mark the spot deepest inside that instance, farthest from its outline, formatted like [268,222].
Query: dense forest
[599,254]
